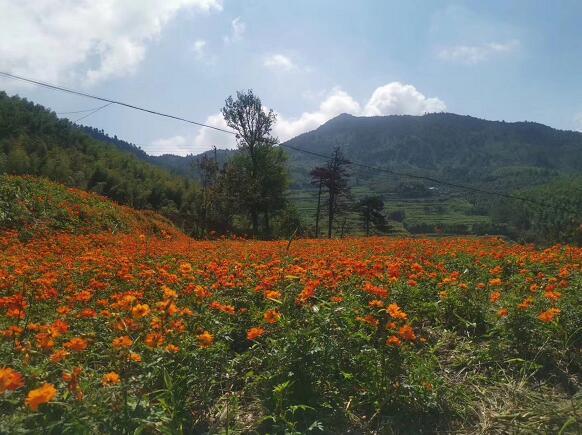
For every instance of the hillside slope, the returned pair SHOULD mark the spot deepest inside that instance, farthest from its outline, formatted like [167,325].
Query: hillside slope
[34,207]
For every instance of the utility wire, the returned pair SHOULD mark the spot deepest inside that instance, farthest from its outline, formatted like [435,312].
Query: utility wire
[92,112]
[107,100]
[76,111]
[323,156]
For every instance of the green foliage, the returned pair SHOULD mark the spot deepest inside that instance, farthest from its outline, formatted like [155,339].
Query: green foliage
[33,141]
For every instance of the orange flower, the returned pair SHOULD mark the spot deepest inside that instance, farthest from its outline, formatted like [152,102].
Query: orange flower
[272,316]
[41,395]
[407,333]
[228,309]
[494,297]
[376,303]
[58,355]
[548,316]
[10,380]
[140,310]
[76,344]
[254,333]
[495,282]
[122,342]
[375,290]
[110,378]
[205,339]
[154,339]
[135,357]
[396,313]
[172,348]
[185,268]
[525,304]
[393,341]
[503,312]
[272,294]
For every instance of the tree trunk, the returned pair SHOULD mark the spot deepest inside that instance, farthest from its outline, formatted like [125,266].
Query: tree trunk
[255,221]
[318,209]
[267,225]
[331,211]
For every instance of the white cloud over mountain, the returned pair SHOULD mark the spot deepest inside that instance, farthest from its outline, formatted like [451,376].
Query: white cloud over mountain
[391,99]
[68,40]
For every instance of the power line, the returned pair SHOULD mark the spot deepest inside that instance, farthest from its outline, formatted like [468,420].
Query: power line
[107,100]
[323,156]
[76,111]
[92,112]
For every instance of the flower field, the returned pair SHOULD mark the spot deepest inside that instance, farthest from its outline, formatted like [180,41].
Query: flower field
[143,332]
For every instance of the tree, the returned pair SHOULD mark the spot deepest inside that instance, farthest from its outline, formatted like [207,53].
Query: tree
[371,211]
[317,175]
[335,179]
[260,166]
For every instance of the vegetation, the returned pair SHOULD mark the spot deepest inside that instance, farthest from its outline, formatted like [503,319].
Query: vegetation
[144,332]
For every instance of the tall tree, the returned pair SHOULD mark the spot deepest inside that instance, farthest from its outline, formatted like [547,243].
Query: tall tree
[317,175]
[371,211]
[261,166]
[336,182]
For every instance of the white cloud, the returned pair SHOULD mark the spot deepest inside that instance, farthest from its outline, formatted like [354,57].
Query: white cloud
[237,30]
[279,62]
[578,121]
[83,40]
[207,138]
[472,54]
[398,98]
[391,99]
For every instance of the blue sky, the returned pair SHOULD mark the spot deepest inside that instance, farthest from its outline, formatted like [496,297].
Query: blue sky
[308,60]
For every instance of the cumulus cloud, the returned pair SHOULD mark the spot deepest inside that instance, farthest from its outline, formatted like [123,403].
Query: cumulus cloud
[279,62]
[398,98]
[473,54]
[83,40]
[237,29]
[391,99]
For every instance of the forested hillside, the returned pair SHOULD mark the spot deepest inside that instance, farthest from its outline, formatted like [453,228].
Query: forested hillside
[453,147]
[33,141]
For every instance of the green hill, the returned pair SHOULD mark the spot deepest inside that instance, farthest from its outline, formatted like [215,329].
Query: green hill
[34,141]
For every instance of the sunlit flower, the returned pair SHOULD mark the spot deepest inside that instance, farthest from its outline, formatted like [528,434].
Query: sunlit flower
[76,344]
[10,380]
[254,333]
[110,378]
[41,395]
[549,315]
[205,339]
[122,342]
[272,316]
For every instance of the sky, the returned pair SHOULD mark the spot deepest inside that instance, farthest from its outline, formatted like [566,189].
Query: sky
[308,60]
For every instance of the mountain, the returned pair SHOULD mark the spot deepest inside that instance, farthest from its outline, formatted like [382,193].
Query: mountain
[506,155]
[453,147]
